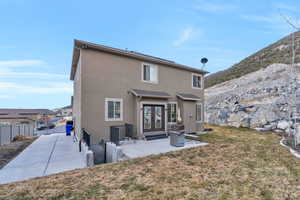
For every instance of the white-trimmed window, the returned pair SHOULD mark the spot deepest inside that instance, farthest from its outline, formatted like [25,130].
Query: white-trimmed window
[149,73]
[113,109]
[199,112]
[172,112]
[197,81]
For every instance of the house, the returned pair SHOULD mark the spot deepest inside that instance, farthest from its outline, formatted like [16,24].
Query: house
[63,112]
[114,87]
[24,116]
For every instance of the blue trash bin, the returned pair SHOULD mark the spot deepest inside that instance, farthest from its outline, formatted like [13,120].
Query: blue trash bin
[69,127]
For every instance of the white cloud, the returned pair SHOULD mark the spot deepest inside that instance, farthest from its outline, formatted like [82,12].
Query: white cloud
[39,75]
[21,63]
[5,97]
[7,70]
[215,8]
[186,34]
[286,7]
[273,19]
[273,22]
[8,88]
[25,78]
[258,18]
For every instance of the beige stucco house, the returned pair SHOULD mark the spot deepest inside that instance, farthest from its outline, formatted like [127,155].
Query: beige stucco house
[114,87]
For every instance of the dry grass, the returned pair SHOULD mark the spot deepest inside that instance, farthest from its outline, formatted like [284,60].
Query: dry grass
[238,164]
[20,138]
[10,151]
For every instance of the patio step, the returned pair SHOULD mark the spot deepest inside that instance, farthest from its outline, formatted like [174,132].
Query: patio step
[156,137]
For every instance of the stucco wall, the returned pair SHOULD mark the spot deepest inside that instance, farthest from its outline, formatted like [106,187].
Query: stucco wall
[111,76]
[77,100]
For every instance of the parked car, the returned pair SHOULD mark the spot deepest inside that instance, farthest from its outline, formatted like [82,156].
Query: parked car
[42,126]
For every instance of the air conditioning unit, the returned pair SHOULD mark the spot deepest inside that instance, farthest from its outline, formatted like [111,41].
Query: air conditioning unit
[117,133]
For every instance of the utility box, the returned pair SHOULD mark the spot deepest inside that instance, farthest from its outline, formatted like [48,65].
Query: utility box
[129,130]
[117,133]
[177,138]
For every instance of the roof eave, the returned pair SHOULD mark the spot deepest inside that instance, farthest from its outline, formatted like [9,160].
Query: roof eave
[149,96]
[188,99]
[75,59]
[154,96]
[78,44]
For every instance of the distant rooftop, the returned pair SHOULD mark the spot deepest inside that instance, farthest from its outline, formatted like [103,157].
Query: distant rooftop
[17,112]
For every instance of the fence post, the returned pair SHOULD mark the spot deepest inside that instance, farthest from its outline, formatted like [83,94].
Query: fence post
[0,135]
[11,130]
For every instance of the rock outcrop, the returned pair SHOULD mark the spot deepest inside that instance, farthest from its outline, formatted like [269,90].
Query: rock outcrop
[261,100]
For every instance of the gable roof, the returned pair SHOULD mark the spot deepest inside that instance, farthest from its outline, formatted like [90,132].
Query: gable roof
[79,44]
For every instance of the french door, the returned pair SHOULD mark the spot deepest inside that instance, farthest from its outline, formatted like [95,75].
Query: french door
[153,118]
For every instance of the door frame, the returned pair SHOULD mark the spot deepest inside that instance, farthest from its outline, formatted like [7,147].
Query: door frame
[153,115]
[142,103]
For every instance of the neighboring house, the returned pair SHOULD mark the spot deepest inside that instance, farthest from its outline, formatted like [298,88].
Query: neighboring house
[24,116]
[64,112]
[114,87]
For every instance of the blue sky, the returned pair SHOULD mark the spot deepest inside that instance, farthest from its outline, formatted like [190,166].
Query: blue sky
[36,37]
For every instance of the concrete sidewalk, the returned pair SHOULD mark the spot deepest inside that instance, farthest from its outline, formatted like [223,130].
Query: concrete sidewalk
[49,154]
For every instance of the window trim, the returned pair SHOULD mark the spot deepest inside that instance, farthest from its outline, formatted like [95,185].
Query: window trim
[194,74]
[106,109]
[201,114]
[142,73]
[173,102]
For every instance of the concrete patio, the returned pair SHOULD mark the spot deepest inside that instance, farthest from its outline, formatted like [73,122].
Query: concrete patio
[49,154]
[141,148]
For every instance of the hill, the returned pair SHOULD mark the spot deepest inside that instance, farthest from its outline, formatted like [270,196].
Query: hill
[279,52]
[261,99]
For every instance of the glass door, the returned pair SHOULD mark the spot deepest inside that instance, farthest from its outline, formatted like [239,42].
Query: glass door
[153,118]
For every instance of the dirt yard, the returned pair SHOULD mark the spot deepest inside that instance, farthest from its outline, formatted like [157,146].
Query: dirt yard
[237,164]
[10,151]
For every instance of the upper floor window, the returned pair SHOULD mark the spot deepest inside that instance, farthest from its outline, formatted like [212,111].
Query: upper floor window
[113,109]
[149,73]
[196,81]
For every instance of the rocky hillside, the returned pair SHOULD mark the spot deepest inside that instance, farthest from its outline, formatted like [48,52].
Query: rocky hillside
[257,100]
[279,52]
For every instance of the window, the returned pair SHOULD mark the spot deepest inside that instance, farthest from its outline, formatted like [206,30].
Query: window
[196,81]
[172,113]
[113,109]
[149,73]
[198,112]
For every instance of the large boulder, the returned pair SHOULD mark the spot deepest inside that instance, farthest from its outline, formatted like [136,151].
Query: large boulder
[222,116]
[240,119]
[263,116]
[283,125]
